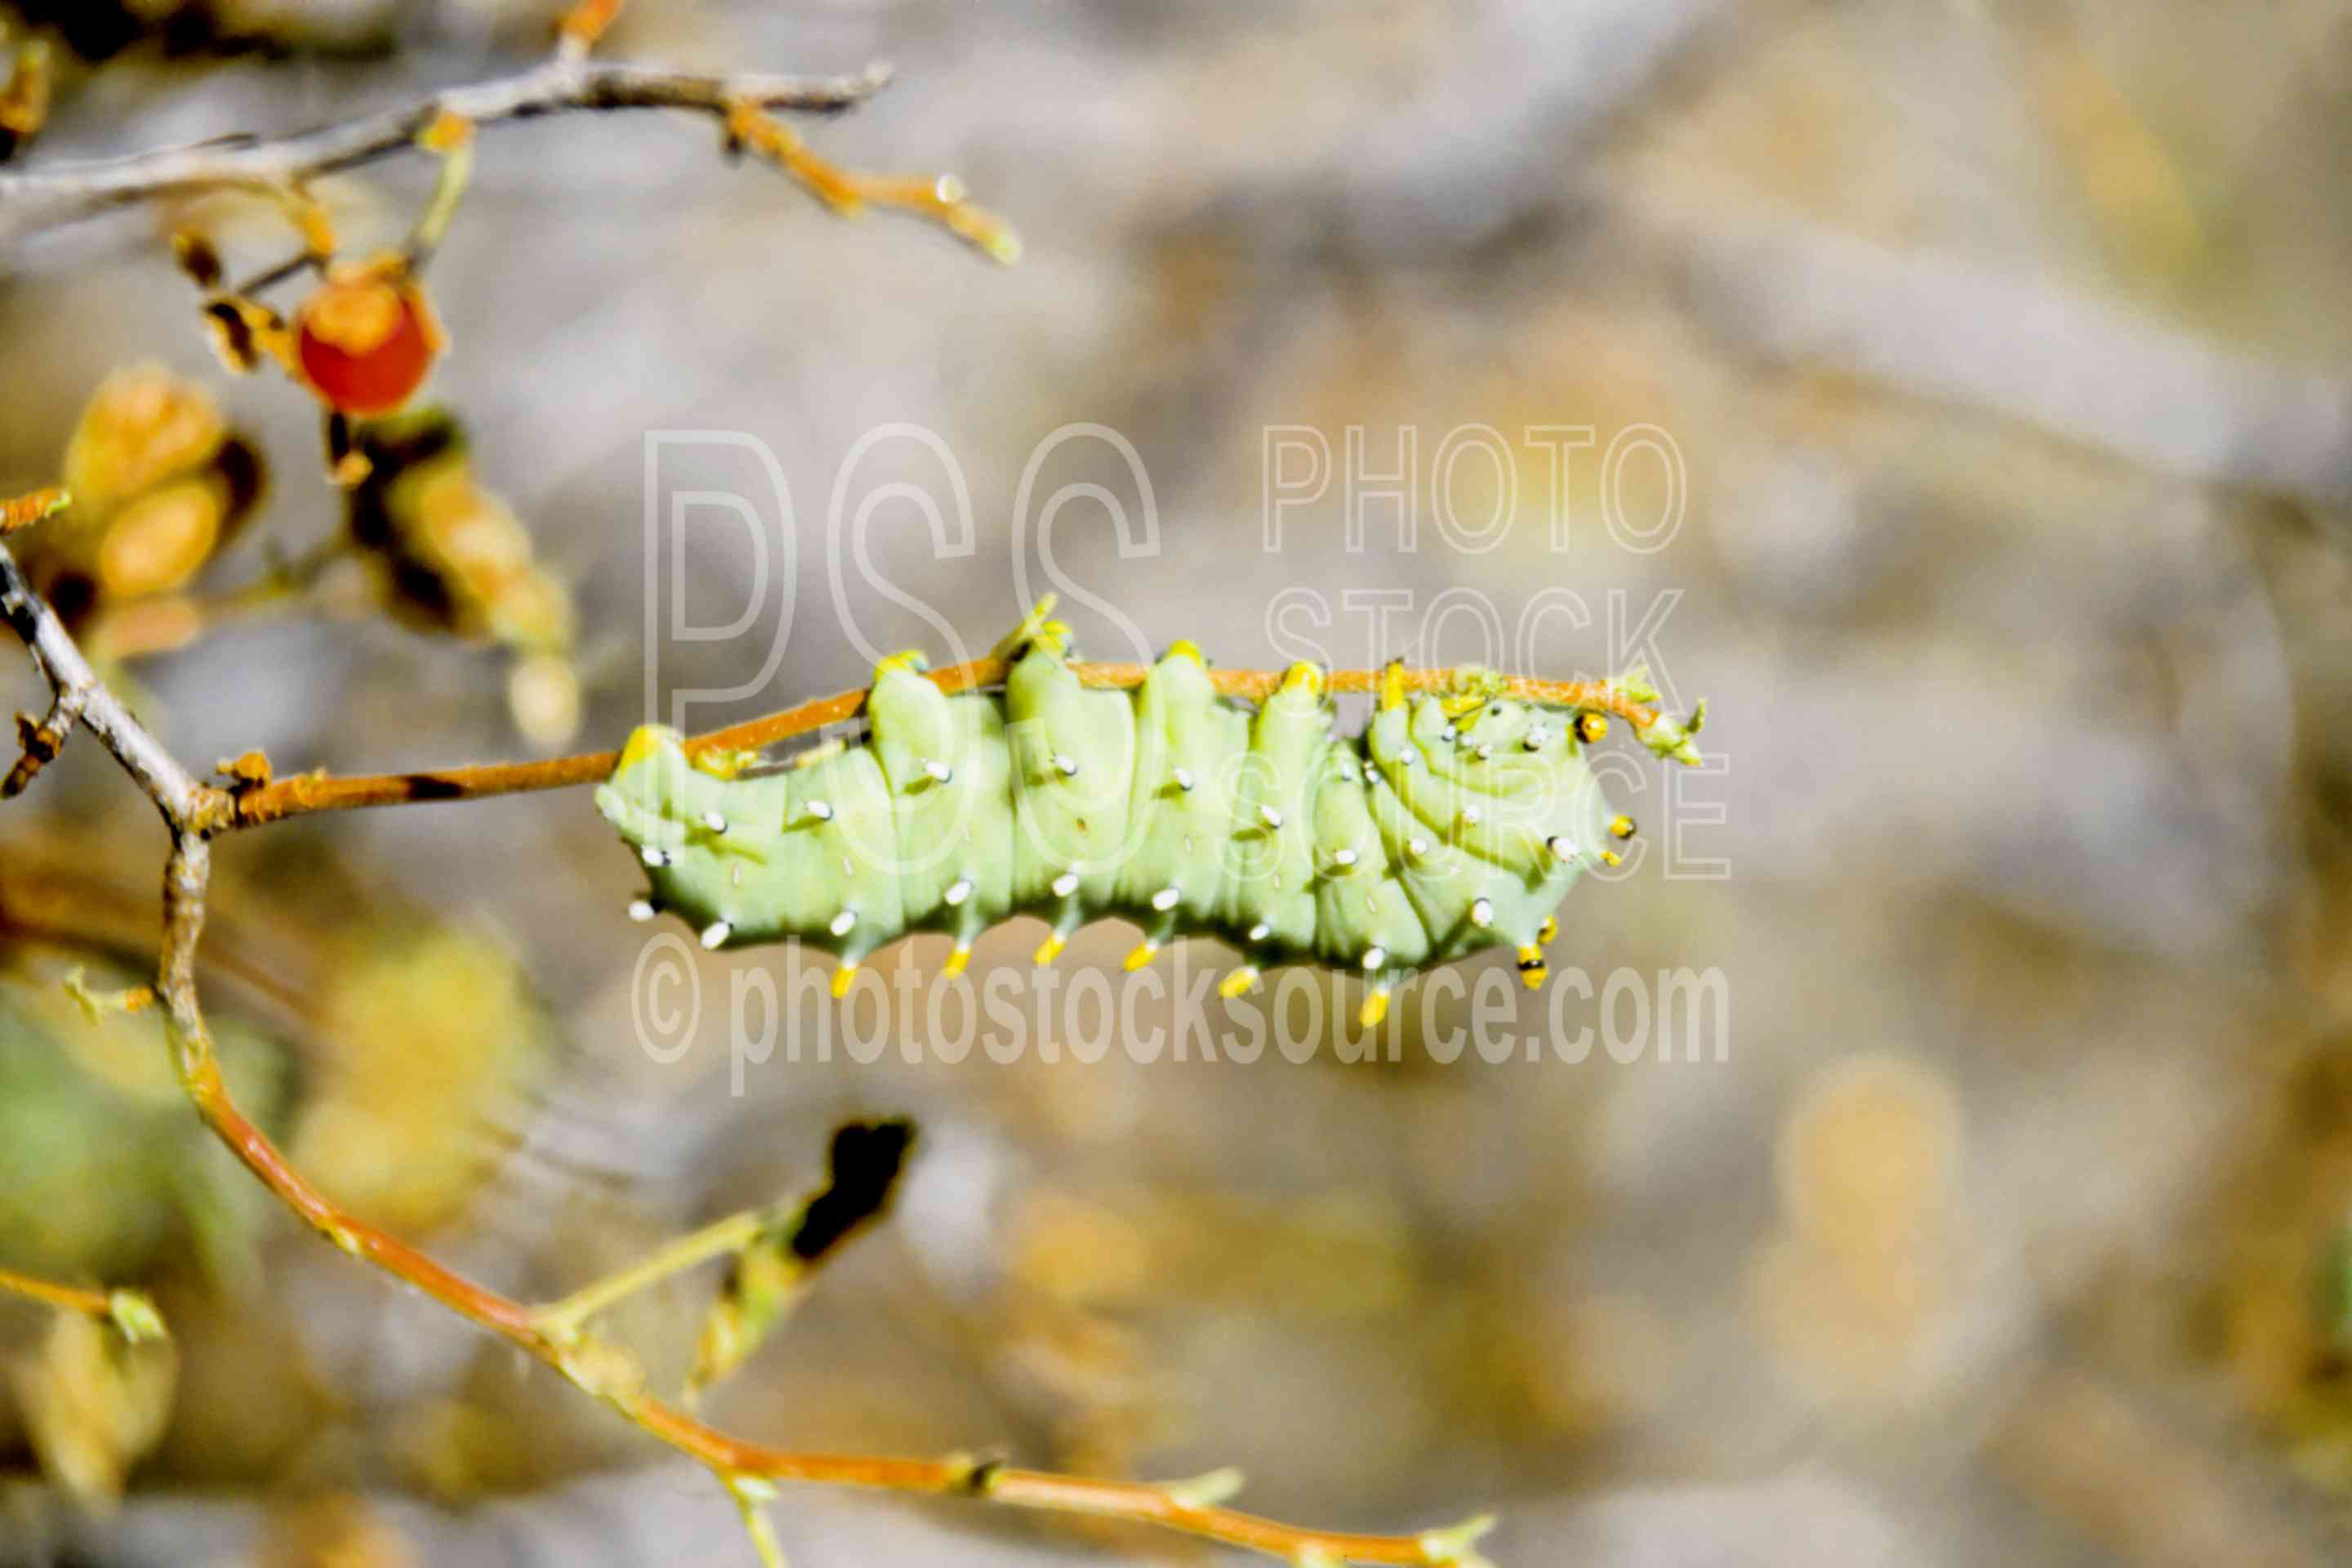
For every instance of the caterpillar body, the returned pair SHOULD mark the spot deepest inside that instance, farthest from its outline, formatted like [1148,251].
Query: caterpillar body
[1454,822]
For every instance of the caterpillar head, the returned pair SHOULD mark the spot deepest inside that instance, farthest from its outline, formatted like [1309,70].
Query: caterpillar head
[644,783]
[660,798]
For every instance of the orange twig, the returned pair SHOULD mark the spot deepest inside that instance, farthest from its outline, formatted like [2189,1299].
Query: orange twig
[131,1312]
[302,793]
[940,197]
[611,1375]
[65,1298]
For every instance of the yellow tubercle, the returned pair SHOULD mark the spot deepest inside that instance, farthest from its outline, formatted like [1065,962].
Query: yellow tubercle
[1049,949]
[1303,677]
[913,660]
[842,978]
[957,959]
[1611,857]
[1531,968]
[1185,648]
[1392,684]
[1622,826]
[1548,930]
[1591,727]
[721,763]
[643,741]
[1033,627]
[1239,980]
[1375,1008]
[1462,703]
[1143,954]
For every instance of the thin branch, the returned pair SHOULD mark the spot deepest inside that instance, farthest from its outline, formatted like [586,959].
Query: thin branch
[300,794]
[185,802]
[65,1298]
[133,1312]
[191,811]
[38,199]
[564,1318]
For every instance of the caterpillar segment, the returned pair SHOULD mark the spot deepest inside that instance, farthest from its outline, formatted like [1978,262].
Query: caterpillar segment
[1190,747]
[1455,823]
[1073,756]
[952,794]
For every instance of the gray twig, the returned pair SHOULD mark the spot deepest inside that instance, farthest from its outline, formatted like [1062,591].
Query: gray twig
[35,199]
[187,805]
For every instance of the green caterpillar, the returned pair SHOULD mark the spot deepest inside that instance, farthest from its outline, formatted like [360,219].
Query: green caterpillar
[1453,823]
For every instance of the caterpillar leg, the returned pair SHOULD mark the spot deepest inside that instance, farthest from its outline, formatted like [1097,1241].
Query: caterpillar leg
[1157,931]
[1067,918]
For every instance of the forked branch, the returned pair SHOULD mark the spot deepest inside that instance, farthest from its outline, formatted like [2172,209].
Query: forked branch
[192,811]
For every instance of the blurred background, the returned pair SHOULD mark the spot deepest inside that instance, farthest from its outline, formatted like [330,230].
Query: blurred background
[2003,350]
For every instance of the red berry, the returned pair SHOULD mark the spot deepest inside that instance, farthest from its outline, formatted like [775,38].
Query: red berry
[365,342]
